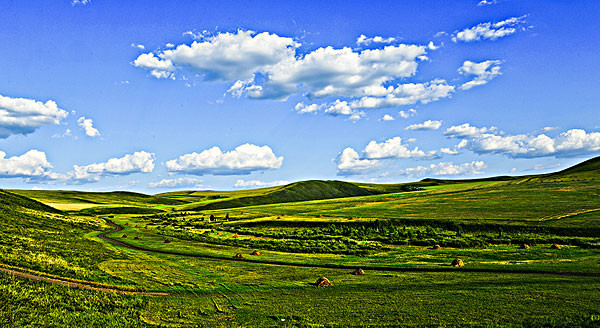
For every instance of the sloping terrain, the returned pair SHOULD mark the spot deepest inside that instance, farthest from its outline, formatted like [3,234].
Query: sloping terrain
[295,192]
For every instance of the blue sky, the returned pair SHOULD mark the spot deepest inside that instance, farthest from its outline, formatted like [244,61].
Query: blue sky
[107,95]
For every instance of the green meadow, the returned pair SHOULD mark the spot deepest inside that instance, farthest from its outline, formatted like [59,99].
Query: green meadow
[530,247]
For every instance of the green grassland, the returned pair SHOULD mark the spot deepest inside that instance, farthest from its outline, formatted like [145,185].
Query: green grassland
[183,243]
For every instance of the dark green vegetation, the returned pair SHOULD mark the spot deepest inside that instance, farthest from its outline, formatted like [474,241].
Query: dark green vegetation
[312,229]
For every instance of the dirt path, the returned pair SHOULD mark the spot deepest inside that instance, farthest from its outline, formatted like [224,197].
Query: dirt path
[117,228]
[70,284]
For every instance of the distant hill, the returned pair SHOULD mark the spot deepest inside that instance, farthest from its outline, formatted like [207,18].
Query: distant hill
[113,197]
[294,192]
[13,202]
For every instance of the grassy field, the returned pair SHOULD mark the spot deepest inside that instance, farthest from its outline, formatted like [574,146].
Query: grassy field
[184,243]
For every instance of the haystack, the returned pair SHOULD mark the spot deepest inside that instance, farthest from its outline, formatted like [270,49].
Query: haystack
[358,272]
[146,227]
[126,223]
[436,247]
[323,282]
[136,238]
[236,236]
[124,236]
[256,253]
[167,241]
[555,246]
[458,263]
[238,256]
[525,246]
[137,226]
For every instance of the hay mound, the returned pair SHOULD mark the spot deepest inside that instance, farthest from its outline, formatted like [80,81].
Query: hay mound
[525,246]
[458,263]
[136,226]
[323,282]
[436,247]
[236,236]
[146,227]
[358,272]
[238,256]
[136,238]
[256,253]
[555,246]
[167,241]
[126,223]
[124,236]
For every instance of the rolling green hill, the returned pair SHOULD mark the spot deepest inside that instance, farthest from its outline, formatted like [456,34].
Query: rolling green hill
[294,192]
[82,197]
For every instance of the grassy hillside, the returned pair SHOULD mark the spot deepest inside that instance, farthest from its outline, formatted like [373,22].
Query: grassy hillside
[295,192]
[100,198]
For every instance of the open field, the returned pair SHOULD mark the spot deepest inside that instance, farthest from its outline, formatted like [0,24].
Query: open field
[530,248]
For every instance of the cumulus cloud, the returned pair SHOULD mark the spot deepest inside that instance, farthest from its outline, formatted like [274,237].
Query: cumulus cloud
[179,182]
[259,183]
[139,46]
[363,40]
[484,140]
[88,126]
[311,108]
[490,30]
[335,81]
[138,162]
[31,165]
[387,117]
[243,159]
[484,72]
[394,148]
[487,2]
[400,95]
[409,113]
[349,163]
[427,125]
[445,168]
[80,2]
[24,116]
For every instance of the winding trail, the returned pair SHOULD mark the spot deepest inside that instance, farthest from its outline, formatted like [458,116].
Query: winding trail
[79,285]
[117,228]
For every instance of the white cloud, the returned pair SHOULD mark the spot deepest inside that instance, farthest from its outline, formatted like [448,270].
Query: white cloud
[159,68]
[573,142]
[169,45]
[303,109]
[179,182]
[484,72]
[265,65]
[32,164]
[242,160]
[466,130]
[67,133]
[349,163]
[409,113]
[80,2]
[24,116]
[364,40]
[138,162]
[445,168]
[487,2]
[427,125]
[449,151]
[394,148]
[490,31]
[259,184]
[88,126]
[139,46]
[387,117]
